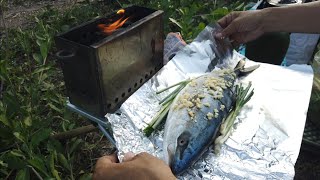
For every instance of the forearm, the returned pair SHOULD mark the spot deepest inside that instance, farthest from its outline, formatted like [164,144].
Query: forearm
[302,18]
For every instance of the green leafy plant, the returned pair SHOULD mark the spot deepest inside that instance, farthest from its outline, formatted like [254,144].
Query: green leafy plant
[33,100]
[191,17]
[32,92]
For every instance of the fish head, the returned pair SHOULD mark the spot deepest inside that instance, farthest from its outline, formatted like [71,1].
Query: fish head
[176,144]
[184,150]
[183,153]
[187,145]
[170,141]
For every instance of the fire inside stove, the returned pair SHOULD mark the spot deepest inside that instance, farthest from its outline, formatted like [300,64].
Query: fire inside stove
[109,28]
[105,60]
[94,31]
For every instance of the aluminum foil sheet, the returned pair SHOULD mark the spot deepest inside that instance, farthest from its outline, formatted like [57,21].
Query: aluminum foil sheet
[266,136]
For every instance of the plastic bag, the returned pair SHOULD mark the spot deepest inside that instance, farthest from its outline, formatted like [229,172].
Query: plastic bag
[172,44]
[301,48]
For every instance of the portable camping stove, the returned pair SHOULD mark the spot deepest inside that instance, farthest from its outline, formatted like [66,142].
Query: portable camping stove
[105,60]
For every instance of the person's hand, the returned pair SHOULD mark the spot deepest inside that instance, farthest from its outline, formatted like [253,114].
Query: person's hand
[242,27]
[140,166]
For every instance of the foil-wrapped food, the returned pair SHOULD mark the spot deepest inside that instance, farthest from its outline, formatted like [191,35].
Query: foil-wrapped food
[266,136]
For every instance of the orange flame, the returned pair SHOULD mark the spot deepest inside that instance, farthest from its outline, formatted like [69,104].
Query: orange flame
[121,11]
[108,29]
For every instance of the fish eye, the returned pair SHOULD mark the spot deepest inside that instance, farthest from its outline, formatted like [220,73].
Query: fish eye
[182,142]
[183,139]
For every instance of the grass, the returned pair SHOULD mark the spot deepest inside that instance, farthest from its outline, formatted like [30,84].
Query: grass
[33,94]
[33,98]
[190,17]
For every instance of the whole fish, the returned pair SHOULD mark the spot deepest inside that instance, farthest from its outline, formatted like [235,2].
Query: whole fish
[195,117]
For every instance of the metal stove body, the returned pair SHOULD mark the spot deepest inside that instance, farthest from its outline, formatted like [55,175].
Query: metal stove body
[102,71]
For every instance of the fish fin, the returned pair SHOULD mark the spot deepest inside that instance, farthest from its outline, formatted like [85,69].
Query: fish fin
[240,65]
[248,70]
[242,71]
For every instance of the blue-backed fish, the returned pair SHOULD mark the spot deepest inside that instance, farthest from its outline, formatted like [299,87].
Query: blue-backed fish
[196,114]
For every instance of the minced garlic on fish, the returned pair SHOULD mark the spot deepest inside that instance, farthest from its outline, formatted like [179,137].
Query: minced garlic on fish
[209,115]
[198,105]
[206,104]
[191,113]
[193,83]
[198,100]
[201,96]
[222,107]
[211,92]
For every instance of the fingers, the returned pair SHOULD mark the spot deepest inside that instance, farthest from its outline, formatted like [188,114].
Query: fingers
[226,20]
[228,24]
[103,165]
[108,168]
[229,30]
[244,37]
[241,27]
[128,157]
[235,44]
[113,158]
[106,161]
[143,156]
[146,157]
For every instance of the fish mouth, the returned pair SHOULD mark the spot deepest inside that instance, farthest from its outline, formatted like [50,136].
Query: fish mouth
[178,160]
[171,153]
[179,164]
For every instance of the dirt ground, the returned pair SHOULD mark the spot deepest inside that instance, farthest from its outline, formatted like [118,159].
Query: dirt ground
[16,15]
[308,163]
[19,15]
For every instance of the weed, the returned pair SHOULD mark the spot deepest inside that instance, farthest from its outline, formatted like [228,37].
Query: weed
[190,17]
[33,97]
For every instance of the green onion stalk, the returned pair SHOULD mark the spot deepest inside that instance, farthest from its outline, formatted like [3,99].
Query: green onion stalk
[243,95]
[165,106]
